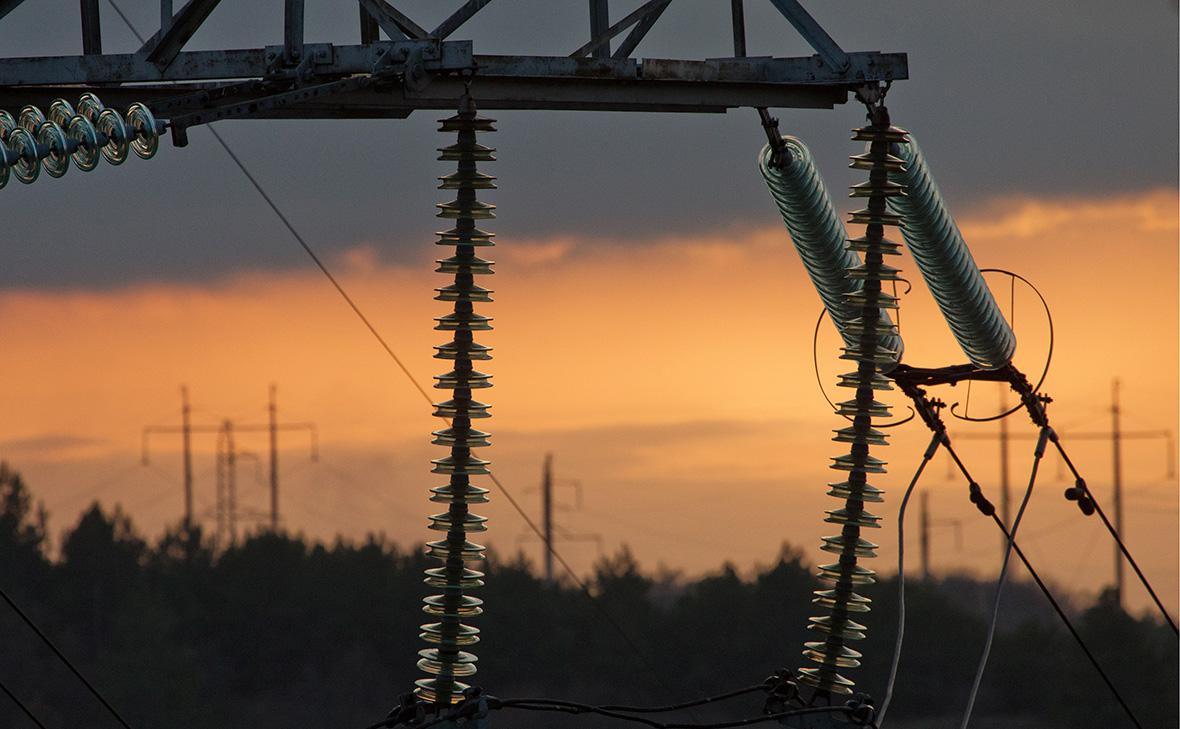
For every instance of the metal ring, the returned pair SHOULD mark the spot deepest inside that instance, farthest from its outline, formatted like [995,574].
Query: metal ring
[1048,357]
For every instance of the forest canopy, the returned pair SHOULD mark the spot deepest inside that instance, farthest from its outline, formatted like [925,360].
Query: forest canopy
[279,631]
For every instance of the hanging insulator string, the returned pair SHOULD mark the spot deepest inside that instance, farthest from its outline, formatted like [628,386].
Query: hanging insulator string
[865,329]
[446,660]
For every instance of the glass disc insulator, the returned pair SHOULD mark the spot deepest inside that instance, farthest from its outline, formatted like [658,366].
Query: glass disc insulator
[28,166]
[87,153]
[111,125]
[147,139]
[57,161]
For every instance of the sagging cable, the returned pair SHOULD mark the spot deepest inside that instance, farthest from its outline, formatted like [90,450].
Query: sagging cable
[1038,454]
[935,441]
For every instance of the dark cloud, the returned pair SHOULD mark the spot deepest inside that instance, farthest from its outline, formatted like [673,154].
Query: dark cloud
[1009,97]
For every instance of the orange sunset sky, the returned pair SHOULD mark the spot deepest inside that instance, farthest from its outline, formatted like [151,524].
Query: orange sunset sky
[672,379]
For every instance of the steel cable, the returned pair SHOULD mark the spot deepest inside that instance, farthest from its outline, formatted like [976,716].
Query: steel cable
[1038,454]
[21,705]
[61,656]
[1081,484]
[986,508]
[931,449]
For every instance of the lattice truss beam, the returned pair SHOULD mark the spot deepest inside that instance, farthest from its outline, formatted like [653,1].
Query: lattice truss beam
[416,68]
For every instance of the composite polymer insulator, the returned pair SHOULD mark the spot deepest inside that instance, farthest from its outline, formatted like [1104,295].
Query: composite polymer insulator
[866,333]
[819,237]
[446,660]
[947,265]
[33,141]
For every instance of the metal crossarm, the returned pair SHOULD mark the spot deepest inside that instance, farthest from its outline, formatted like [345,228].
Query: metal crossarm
[419,69]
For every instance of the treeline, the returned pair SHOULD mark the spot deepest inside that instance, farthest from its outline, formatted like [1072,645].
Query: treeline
[282,632]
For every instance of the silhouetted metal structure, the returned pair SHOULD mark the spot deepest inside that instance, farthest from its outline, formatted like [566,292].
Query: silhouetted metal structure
[418,68]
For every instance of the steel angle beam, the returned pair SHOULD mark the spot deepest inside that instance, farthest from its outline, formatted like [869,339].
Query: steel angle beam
[326,59]
[394,22]
[458,18]
[650,96]
[163,47]
[7,6]
[812,32]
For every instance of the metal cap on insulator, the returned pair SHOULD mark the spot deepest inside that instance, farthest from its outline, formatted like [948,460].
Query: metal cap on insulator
[469,493]
[467,466]
[463,292]
[467,179]
[465,635]
[467,151]
[842,627]
[466,236]
[463,572]
[459,407]
[865,462]
[467,123]
[463,378]
[874,133]
[852,574]
[877,189]
[870,161]
[466,264]
[463,321]
[861,492]
[884,246]
[466,209]
[445,522]
[859,518]
[468,552]
[865,216]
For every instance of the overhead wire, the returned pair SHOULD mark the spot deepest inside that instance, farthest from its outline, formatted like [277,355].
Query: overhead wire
[905,500]
[21,705]
[413,381]
[482,704]
[686,704]
[61,656]
[1039,453]
[1114,533]
[1044,588]
[571,707]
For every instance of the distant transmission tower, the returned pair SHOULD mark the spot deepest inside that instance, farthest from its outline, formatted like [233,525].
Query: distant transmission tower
[227,455]
[1116,436]
[549,529]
